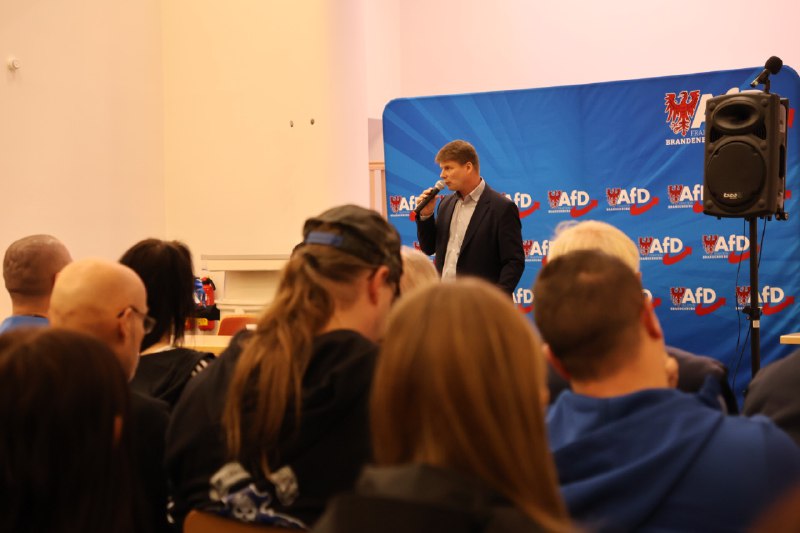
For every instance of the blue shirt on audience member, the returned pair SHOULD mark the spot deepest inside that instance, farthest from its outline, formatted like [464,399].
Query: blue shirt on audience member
[665,460]
[19,321]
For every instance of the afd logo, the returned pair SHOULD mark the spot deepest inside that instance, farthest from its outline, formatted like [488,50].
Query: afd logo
[535,251]
[686,115]
[524,202]
[524,300]
[669,250]
[771,299]
[685,197]
[734,248]
[401,206]
[635,200]
[576,203]
[702,300]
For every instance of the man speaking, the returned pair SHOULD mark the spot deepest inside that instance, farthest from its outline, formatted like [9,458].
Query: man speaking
[477,231]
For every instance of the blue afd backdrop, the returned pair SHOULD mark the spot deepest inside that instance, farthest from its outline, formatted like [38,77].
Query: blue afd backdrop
[613,152]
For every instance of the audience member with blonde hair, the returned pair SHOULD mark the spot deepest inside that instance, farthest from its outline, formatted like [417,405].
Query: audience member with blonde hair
[457,422]
[417,270]
[292,395]
[594,235]
[64,453]
[693,369]
[30,266]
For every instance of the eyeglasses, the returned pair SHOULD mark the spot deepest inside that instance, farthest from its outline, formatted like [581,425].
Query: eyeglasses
[147,321]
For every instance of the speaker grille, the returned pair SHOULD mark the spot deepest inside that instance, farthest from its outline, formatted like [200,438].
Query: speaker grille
[760,131]
[735,175]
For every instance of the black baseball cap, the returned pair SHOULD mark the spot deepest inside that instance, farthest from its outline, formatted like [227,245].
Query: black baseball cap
[363,233]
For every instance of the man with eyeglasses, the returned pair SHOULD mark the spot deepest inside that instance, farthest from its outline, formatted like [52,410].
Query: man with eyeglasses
[108,301]
[105,300]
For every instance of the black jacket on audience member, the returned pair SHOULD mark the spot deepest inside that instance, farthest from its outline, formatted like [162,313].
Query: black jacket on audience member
[421,499]
[149,418]
[163,375]
[774,393]
[326,453]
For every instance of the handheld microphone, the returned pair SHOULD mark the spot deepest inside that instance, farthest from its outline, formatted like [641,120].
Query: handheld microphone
[436,188]
[772,66]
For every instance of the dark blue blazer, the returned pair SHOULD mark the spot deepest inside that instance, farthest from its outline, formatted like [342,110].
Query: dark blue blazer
[492,247]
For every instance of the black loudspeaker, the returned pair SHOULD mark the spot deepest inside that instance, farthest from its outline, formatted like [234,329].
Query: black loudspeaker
[745,155]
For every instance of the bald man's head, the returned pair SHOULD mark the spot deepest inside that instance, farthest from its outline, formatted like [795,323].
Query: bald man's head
[103,299]
[30,266]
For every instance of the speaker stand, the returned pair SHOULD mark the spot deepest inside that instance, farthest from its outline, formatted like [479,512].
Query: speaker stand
[753,311]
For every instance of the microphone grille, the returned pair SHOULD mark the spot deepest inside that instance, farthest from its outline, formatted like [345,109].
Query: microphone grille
[773,64]
[440,185]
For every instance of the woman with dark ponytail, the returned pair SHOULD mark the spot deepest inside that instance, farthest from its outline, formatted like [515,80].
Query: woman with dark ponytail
[295,392]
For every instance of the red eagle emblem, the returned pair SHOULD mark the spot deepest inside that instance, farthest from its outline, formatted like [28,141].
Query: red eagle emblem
[394,202]
[680,111]
[553,197]
[674,192]
[644,245]
[527,246]
[676,293]
[612,195]
[743,295]
[709,243]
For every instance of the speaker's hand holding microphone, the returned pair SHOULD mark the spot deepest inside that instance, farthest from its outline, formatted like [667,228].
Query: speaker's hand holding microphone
[425,203]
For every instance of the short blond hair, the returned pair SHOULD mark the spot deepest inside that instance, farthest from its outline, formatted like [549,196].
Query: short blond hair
[572,236]
[417,269]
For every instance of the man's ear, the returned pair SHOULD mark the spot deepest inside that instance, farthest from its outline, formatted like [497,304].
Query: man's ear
[123,326]
[650,321]
[377,281]
[555,362]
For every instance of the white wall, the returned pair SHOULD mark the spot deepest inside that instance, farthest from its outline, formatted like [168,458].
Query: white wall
[386,36]
[239,179]
[454,46]
[81,148]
